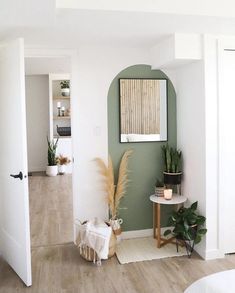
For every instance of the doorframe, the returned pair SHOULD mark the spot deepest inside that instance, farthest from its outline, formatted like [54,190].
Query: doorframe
[223,44]
[73,55]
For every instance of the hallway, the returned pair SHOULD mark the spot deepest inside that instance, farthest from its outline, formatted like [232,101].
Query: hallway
[51,210]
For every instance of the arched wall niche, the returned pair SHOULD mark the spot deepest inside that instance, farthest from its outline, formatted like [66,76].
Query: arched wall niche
[146,163]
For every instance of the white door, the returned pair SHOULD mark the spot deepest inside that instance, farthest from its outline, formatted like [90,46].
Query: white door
[227,149]
[14,198]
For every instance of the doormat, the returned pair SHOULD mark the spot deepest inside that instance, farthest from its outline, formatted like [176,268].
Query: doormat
[141,249]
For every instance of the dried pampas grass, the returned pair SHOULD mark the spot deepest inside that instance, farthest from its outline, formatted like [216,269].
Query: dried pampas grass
[114,195]
[122,177]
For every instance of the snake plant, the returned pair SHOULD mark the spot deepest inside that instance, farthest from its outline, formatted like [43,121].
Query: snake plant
[51,154]
[172,159]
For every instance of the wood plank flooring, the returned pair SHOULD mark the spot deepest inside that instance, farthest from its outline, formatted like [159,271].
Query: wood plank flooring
[60,269]
[51,210]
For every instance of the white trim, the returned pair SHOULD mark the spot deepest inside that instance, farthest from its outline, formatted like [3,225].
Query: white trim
[141,233]
[137,234]
[213,254]
[222,44]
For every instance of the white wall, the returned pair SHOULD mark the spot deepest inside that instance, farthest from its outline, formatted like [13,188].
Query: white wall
[212,165]
[226,148]
[198,137]
[94,70]
[197,86]
[191,134]
[37,111]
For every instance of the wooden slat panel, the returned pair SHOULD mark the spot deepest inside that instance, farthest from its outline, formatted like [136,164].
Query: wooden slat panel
[140,106]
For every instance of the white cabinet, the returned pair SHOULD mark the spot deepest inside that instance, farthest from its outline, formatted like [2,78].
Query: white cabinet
[60,116]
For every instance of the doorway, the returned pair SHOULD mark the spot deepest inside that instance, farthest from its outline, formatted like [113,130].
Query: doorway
[48,112]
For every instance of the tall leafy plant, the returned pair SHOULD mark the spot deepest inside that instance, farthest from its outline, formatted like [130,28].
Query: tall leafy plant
[51,153]
[187,224]
[172,159]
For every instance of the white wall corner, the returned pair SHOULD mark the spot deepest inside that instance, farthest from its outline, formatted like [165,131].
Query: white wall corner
[213,254]
[162,53]
[176,50]
[208,254]
[188,46]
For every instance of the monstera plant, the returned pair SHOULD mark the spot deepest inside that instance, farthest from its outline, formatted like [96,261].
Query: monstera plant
[187,226]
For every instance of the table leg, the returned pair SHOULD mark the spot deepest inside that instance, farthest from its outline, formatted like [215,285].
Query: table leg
[154,220]
[158,225]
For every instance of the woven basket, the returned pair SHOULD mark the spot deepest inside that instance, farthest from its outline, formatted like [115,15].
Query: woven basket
[88,253]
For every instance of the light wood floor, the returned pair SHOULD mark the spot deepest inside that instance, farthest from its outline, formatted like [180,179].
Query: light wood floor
[51,216]
[60,269]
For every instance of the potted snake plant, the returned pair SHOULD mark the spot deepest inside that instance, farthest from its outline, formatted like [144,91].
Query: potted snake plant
[52,168]
[172,159]
[159,188]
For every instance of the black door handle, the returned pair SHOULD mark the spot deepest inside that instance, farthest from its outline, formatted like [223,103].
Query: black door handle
[20,176]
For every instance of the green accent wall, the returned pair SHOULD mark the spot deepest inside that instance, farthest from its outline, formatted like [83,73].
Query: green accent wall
[146,163]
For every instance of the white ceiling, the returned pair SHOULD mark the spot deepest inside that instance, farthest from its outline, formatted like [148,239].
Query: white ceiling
[225,8]
[27,13]
[40,25]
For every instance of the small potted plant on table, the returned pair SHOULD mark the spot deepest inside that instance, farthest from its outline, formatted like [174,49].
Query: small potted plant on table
[187,227]
[172,159]
[159,188]
[65,90]
[52,168]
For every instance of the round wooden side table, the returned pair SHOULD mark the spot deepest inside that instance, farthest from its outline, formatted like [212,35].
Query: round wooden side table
[157,202]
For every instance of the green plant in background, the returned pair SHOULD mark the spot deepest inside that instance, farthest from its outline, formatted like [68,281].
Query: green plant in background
[172,159]
[64,84]
[51,154]
[159,183]
[187,224]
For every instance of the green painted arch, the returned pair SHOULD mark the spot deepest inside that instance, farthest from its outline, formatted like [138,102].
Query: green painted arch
[146,163]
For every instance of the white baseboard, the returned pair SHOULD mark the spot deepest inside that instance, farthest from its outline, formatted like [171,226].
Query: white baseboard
[37,169]
[140,233]
[213,254]
[137,234]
